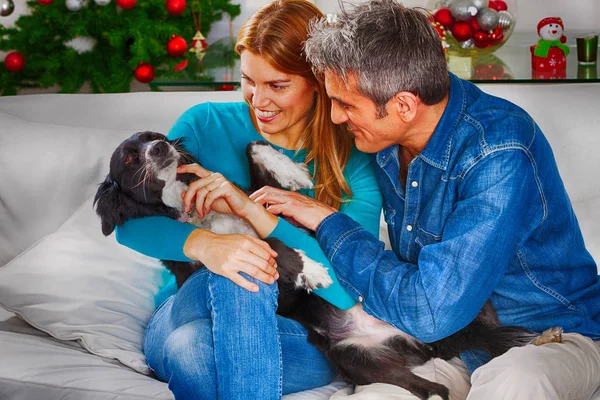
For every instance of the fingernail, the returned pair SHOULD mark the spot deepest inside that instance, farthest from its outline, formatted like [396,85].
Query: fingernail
[277,276]
[271,280]
[255,288]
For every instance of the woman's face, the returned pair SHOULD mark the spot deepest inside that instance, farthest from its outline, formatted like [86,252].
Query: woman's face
[280,101]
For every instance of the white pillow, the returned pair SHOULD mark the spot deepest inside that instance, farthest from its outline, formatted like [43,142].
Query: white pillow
[76,284]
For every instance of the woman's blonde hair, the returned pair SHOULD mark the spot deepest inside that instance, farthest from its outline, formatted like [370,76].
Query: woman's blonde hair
[277,33]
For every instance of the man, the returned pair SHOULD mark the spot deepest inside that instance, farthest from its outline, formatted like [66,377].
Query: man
[474,203]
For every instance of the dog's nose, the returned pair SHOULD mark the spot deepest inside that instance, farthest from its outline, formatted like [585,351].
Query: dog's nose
[159,148]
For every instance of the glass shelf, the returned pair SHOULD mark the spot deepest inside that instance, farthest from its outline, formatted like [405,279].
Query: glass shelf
[220,68]
[512,64]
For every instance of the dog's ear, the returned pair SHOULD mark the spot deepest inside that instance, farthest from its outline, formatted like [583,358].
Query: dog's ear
[108,201]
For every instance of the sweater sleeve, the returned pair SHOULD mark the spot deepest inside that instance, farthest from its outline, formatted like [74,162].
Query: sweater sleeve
[364,208]
[161,237]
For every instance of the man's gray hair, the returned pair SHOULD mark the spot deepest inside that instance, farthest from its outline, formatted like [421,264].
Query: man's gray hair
[386,47]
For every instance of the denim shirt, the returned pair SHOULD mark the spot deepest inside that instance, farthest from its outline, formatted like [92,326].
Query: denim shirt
[484,215]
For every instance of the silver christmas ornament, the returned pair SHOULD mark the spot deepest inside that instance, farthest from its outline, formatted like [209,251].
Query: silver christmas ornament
[506,20]
[443,4]
[481,4]
[7,8]
[463,10]
[487,19]
[82,44]
[468,44]
[74,5]
[102,2]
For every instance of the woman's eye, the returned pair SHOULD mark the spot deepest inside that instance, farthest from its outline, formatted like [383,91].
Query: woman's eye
[278,87]
[129,159]
[248,80]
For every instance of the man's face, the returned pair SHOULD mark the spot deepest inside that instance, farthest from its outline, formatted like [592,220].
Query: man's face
[371,134]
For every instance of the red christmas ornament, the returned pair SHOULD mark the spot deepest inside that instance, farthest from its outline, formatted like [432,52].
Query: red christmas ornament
[444,17]
[481,39]
[144,72]
[45,2]
[181,66]
[474,25]
[489,71]
[14,61]
[496,36]
[498,5]
[462,31]
[126,4]
[176,46]
[175,7]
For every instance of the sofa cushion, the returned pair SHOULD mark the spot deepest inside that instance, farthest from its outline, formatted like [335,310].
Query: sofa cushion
[46,172]
[76,284]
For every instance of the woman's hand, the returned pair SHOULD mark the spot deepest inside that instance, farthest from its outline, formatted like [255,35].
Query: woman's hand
[228,255]
[303,209]
[213,191]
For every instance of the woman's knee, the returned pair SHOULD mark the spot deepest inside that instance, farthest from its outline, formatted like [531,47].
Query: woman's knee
[189,354]
[222,288]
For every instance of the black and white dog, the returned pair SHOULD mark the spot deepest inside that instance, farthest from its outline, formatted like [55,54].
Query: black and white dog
[143,182]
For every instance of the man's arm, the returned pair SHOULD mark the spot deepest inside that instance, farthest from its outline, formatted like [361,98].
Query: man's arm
[500,205]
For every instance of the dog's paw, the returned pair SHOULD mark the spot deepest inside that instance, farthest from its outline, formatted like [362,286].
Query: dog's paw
[313,275]
[290,174]
[552,335]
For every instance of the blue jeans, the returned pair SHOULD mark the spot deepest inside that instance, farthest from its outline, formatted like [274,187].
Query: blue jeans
[214,339]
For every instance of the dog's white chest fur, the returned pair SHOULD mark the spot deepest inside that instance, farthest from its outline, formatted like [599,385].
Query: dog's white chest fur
[171,193]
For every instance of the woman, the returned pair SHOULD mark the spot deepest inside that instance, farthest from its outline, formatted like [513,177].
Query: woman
[218,336]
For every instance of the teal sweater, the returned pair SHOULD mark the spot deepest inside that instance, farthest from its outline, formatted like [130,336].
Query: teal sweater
[217,134]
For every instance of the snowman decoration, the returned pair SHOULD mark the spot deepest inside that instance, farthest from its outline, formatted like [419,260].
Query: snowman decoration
[551,31]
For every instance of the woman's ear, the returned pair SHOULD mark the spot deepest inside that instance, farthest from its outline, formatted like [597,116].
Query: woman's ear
[406,105]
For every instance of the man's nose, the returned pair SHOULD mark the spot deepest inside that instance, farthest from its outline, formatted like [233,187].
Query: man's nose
[338,115]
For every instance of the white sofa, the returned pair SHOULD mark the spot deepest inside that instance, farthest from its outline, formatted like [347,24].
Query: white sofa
[85,309]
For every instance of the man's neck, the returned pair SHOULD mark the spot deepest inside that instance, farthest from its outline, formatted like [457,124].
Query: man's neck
[422,127]
[418,136]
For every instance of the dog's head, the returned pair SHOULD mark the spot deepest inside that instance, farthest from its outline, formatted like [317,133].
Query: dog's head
[140,168]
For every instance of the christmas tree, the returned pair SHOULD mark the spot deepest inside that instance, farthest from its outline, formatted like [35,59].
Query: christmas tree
[117,40]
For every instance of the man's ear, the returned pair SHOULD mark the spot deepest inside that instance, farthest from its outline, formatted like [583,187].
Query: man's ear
[406,104]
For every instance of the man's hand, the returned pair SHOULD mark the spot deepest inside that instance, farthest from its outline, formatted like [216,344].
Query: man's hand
[303,209]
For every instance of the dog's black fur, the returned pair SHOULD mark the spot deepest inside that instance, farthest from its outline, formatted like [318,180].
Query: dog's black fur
[133,189]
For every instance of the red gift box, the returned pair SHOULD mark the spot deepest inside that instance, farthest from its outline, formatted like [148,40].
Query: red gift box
[555,61]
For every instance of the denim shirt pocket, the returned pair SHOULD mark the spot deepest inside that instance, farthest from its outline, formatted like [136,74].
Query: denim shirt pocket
[425,237]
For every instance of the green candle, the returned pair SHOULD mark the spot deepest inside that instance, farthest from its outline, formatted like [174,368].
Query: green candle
[587,49]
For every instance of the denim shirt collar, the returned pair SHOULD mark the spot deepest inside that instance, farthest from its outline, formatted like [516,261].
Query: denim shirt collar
[437,150]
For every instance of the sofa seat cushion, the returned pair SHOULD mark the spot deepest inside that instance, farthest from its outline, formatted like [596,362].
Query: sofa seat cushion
[37,366]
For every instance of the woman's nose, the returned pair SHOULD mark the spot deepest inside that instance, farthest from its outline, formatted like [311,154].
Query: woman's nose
[259,98]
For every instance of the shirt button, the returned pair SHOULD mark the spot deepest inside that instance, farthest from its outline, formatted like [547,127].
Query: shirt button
[409,228]
[361,299]
[415,183]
